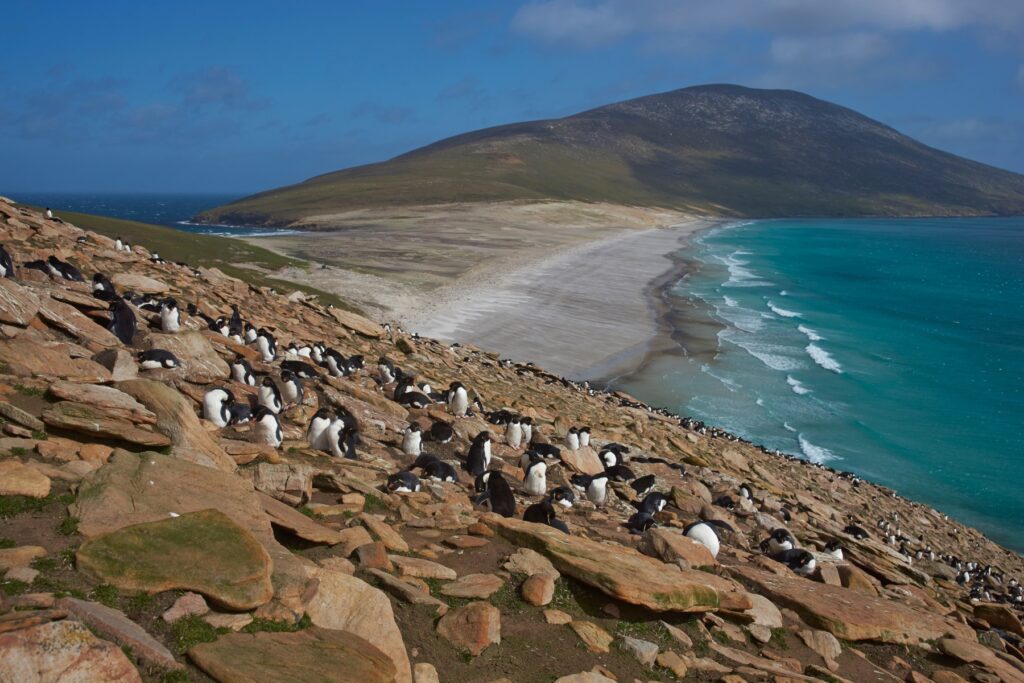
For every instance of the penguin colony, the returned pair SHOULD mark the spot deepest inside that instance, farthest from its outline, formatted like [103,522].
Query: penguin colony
[622,489]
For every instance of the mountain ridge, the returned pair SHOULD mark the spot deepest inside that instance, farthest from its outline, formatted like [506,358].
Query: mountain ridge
[723,150]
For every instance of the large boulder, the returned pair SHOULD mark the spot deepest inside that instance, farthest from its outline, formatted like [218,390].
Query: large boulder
[140,284]
[29,358]
[308,656]
[624,573]
[61,651]
[17,479]
[851,615]
[75,323]
[200,362]
[345,603]
[94,420]
[673,547]
[18,305]
[203,551]
[176,418]
[357,323]
[472,628]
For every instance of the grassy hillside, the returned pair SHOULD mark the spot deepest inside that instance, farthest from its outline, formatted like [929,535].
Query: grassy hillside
[236,258]
[723,150]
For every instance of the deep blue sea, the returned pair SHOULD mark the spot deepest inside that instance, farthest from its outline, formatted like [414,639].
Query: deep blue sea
[890,348]
[171,210]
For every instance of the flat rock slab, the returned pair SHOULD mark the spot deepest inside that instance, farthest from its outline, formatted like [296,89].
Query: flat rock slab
[17,479]
[18,305]
[357,323]
[851,615]
[480,586]
[91,420]
[29,358]
[472,628]
[624,573]
[200,362]
[422,569]
[139,283]
[309,656]
[289,518]
[75,323]
[62,651]
[203,551]
[114,625]
[111,401]
[345,603]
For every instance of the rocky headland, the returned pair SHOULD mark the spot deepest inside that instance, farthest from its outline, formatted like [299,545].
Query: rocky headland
[139,541]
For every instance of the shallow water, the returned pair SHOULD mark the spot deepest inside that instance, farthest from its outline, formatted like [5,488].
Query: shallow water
[890,348]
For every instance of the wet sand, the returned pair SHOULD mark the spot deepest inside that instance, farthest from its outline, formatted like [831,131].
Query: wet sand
[587,312]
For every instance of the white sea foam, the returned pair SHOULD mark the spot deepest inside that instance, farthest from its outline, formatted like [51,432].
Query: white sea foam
[811,334]
[796,385]
[788,427]
[741,318]
[729,301]
[824,358]
[729,384]
[739,274]
[815,453]
[760,402]
[771,355]
[783,293]
[782,311]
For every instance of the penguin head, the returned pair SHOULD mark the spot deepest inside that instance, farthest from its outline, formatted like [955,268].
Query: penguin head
[413,428]
[288,376]
[268,382]
[573,430]
[170,304]
[563,496]
[832,546]
[482,437]
[261,413]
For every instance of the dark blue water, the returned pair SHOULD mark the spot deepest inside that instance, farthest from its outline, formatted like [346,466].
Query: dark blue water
[890,348]
[170,210]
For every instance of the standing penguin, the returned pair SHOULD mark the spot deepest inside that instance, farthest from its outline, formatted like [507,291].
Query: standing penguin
[514,433]
[118,244]
[291,388]
[596,487]
[103,288]
[479,459]
[316,434]
[267,427]
[241,371]
[267,345]
[122,321]
[526,424]
[536,481]
[270,396]
[572,439]
[496,495]
[584,436]
[412,440]
[170,317]
[215,407]
[458,399]
[780,541]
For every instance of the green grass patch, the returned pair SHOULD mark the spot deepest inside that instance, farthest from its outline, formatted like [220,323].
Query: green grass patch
[12,506]
[191,631]
[68,526]
[13,587]
[374,504]
[507,597]
[174,676]
[140,602]
[651,631]
[105,594]
[778,639]
[277,626]
[45,564]
[28,391]
[7,543]
[39,435]
[18,451]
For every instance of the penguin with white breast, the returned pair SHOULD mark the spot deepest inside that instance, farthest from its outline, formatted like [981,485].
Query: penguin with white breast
[548,451]
[458,399]
[857,532]
[514,433]
[640,522]
[608,458]
[584,436]
[413,399]
[122,321]
[103,288]
[439,470]
[800,561]
[215,406]
[412,440]
[118,244]
[704,533]
[170,317]
[267,427]
[544,513]
[478,460]
[316,433]
[440,432]
[154,359]
[563,495]
[643,485]
[495,494]
[620,473]
[250,333]
[241,371]
[526,424]
[653,503]
[572,439]
[270,396]
[335,363]
[780,540]
[595,487]
[301,369]
[385,370]
[292,390]
[220,325]
[63,270]
[746,492]
[266,345]
[403,482]
[6,264]
[834,549]
[536,483]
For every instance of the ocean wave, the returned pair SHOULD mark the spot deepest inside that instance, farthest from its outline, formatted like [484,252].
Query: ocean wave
[729,384]
[788,427]
[811,334]
[739,274]
[824,358]
[732,303]
[760,402]
[783,292]
[814,453]
[741,318]
[770,355]
[782,311]
[797,386]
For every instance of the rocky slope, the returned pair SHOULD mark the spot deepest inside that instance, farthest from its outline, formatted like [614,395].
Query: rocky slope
[711,150]
[139,541]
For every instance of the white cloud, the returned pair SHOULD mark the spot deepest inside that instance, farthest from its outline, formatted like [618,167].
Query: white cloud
[850,48]
[589,23]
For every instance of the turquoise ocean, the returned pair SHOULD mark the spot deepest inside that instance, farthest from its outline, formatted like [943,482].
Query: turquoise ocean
[893,349]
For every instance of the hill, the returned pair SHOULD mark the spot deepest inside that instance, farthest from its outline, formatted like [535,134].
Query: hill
[142,543]
[715,149]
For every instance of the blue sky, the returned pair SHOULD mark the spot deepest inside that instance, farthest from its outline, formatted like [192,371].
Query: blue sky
[240,97]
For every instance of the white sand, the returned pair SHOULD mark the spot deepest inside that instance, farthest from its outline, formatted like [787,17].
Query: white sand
[577,312]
